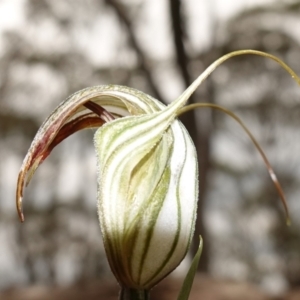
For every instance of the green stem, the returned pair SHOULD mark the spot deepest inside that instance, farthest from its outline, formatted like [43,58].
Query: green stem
[132,294]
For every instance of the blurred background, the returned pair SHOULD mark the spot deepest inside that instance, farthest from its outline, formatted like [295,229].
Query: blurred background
[50,49]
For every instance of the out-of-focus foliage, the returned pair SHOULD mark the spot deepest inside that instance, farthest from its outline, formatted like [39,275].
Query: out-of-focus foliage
[51,49]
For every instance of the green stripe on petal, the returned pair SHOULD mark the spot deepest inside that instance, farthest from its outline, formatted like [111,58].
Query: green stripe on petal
[177,217]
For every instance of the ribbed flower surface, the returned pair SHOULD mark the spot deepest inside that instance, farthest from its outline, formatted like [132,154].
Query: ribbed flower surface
[147,176]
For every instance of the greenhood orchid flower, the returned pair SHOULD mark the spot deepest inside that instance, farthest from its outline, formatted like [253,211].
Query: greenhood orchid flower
[147,173]
[147,177]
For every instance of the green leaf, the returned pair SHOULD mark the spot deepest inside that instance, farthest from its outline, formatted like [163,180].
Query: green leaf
[189,278]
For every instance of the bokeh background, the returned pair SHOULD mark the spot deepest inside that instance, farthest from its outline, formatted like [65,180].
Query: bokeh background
[50,49]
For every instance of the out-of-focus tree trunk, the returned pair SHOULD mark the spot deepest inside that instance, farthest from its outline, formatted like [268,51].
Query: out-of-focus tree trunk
[200,138]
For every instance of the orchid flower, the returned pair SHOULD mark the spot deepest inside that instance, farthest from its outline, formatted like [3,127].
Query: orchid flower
[147,176]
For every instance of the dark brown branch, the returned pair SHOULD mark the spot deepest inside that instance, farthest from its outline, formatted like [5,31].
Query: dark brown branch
[178,35]
[133,41]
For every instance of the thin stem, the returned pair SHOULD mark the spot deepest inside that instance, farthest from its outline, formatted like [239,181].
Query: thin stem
[133,294]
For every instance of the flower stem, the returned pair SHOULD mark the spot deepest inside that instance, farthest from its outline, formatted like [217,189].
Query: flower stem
[132,294]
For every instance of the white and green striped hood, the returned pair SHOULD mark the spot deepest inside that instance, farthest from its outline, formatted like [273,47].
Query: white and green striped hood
[147,193]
